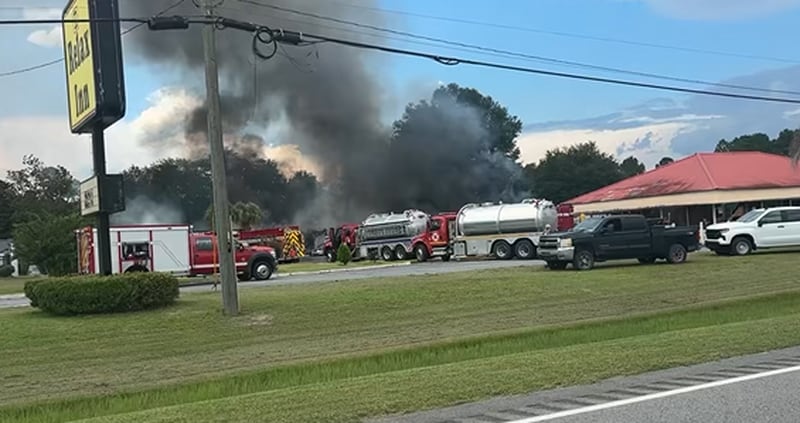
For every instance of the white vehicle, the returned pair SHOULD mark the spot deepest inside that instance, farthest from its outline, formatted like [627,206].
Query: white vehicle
[757,229]
[390,235]
[502,230]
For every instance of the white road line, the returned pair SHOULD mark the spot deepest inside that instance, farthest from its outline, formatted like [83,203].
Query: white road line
[649,397]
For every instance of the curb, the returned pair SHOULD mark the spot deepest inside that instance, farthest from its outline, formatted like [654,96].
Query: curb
[315,272]
[12,297]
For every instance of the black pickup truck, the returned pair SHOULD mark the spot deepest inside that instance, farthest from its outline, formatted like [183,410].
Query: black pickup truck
[620,237]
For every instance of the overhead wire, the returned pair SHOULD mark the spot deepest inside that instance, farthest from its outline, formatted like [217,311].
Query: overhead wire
[292,36]
[512,53]
[571,34]
[56,61]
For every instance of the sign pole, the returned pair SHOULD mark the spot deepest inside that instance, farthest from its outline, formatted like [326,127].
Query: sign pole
[103,230]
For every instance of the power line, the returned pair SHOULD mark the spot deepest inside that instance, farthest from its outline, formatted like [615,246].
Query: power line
[294,37]
[512,53]
[56,61]
[573,35]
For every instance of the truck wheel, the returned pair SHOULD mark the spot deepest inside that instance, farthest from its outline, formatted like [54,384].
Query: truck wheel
[502,250]
[741,246]
[400,253]
[524,250]
[446,257]
[330,255]
[421,252]
[583,260]
[136,268]
[387,254]
[262,270]
[677,254]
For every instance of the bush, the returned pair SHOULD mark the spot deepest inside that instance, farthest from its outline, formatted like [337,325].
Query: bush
[92,294]
[6,270]
[343,254]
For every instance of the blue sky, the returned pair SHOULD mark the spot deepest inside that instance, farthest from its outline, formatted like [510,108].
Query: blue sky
[556,111]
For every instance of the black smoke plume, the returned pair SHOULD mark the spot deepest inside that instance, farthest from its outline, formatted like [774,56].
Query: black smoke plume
[331,98]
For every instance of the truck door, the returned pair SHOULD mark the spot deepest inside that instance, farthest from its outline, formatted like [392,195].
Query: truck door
[204,255]
[635,236]
[772,230]
[610,242]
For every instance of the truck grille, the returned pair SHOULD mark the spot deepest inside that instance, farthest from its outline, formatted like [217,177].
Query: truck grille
[548,243]
[713,234]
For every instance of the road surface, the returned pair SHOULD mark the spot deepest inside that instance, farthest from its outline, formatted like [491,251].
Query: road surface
[751,389]
[413,269]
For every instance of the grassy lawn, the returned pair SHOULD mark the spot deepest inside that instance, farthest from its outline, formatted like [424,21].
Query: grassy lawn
[334,352]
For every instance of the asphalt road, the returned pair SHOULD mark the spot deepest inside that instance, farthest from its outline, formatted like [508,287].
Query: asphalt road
[750,389]
[413,269]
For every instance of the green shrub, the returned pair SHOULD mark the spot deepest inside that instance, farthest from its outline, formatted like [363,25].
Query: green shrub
[343,254]
[6,270]
[91,294]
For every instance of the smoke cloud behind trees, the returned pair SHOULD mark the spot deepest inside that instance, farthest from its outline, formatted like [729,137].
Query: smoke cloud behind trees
[456,147]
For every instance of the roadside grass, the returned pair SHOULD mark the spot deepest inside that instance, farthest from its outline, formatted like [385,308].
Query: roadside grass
[464,353]
[13,285]
[296,332]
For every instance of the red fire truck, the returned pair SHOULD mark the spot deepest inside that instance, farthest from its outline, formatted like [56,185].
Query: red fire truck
[288,241]
[174,249]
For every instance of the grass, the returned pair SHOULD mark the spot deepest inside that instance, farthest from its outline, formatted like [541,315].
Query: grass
[12,285]
[313,340]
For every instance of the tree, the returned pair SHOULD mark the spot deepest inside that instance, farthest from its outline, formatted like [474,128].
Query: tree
[457,147]
[566,173]
[631,166]
[7,201]
[751,142]
[665,161]
[48,241]
[38,187]
[343,254]
[243,215]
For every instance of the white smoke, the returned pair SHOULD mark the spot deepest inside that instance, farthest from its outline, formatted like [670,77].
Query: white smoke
[144,211]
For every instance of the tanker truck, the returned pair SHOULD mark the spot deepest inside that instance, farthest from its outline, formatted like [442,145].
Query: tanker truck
[501,230]
[390,235]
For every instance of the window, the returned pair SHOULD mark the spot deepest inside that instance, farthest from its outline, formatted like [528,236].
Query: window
[791,216]
[204,244]
[613,225]
[634,224]
[772,217]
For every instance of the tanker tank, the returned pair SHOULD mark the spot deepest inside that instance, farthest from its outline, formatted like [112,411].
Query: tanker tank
[530,215]
[407,224]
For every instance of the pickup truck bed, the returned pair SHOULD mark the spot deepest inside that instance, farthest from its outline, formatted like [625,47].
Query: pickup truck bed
[620,237]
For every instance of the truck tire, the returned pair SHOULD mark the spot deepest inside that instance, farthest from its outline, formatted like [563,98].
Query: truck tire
[136,268]
[583,260]
[400,253]
[446,257]
[524,249]
[262,269]
[330,255]
[387,254]
[676,254]
[502,250]
[741,246]
[421,252]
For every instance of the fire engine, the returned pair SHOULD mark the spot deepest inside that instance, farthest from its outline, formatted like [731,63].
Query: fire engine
[288,241]
[174,249]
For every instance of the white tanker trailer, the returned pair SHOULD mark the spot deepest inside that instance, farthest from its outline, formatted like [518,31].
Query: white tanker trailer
[389,235]
[502,230]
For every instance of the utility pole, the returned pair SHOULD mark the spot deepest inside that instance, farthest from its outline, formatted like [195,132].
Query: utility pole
[222,225]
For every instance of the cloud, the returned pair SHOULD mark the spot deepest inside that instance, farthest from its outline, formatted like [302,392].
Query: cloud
[720,9]
[156,133]
[46,38]
[664,127]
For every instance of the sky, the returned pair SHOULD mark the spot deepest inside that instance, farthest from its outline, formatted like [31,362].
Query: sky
[738,42]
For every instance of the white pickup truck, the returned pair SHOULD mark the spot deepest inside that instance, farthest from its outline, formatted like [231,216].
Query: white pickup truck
[757,229]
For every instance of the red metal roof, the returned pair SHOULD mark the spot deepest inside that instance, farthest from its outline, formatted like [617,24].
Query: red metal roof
[702,172]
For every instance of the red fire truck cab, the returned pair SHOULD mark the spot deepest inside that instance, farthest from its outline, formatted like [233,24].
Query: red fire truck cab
[435,241]
[344,234]
[172,249]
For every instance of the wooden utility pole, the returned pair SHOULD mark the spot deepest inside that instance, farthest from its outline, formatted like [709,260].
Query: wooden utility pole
[222,226]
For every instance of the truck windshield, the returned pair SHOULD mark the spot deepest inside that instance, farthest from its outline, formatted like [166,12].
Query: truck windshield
[588,225]
[750,216]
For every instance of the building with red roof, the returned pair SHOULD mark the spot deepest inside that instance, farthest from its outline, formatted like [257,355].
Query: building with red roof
[700,187]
